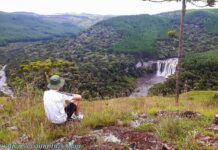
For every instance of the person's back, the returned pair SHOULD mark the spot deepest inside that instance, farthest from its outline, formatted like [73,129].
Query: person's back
[57,110]
[54,107]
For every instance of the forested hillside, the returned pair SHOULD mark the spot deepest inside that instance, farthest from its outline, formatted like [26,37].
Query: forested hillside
[140,35]
[146,35]
[107,53]
[83,20]
[23,27]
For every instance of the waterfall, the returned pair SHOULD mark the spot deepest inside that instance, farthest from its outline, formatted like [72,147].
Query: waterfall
[167,67]
[3,85]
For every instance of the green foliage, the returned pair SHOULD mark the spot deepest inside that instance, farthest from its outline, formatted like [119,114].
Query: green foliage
[172,34]
[105,56]
[29,118]
[152,111]
[211,17]
[21,27]
[201,96]
[199,72]
[106,118]
[180,131]
[107,77]
[6,136]
[147,127]
[96,77]
[139,33]
[37,73]
[213,101]
[166,88]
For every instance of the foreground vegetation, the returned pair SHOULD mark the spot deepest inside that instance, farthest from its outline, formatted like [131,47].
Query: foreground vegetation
[27,114]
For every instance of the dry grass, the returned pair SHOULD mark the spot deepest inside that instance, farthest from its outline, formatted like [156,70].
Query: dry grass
[194,101]
[27,114]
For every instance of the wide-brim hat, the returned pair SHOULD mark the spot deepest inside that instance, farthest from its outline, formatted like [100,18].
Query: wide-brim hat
[56,82]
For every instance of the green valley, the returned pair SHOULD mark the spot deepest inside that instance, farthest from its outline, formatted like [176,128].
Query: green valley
[109,61]
[106,54]
[15,27]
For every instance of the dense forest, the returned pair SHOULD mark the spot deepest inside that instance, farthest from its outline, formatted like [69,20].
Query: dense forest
[25,26]
[103,78]
[16,27]
[106,54]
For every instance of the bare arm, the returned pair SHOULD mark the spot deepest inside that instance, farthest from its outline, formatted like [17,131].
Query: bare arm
[77,97]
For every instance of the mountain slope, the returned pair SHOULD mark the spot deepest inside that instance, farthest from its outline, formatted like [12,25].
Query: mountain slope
[83,20]
[106,54]
[139,33]
[147,34]
[24,27]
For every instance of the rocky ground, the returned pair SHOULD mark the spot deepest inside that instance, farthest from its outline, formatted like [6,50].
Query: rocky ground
[117,137]
[121,137]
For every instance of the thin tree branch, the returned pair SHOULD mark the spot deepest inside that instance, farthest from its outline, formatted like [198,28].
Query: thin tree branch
[197,5]
[156,1]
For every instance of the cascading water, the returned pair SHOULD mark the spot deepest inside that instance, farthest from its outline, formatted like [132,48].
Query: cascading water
[165,68]
[3,85]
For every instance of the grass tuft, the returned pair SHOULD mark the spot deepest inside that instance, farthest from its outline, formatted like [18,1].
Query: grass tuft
[27,114]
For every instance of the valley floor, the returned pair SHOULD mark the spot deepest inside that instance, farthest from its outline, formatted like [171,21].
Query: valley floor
[142,123]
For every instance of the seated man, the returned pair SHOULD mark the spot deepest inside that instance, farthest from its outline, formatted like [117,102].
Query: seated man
[60,107]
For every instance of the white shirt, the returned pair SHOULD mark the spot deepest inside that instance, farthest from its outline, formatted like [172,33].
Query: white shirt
[54,106]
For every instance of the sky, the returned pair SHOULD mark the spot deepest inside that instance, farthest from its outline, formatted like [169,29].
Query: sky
[103,7]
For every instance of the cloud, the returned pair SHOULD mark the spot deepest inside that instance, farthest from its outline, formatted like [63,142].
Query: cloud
[113,7]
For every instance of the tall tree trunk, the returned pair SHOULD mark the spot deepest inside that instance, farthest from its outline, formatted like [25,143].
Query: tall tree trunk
[181,51]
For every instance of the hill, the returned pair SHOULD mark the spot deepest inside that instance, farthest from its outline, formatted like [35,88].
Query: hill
[82,20]
[106,54]
[146,35]
[16,27]
[148,123]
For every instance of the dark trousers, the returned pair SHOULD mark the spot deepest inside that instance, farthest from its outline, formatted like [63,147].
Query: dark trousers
[70,109]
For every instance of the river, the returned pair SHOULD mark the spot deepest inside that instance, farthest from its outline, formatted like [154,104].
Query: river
[4,88]
[165,68]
